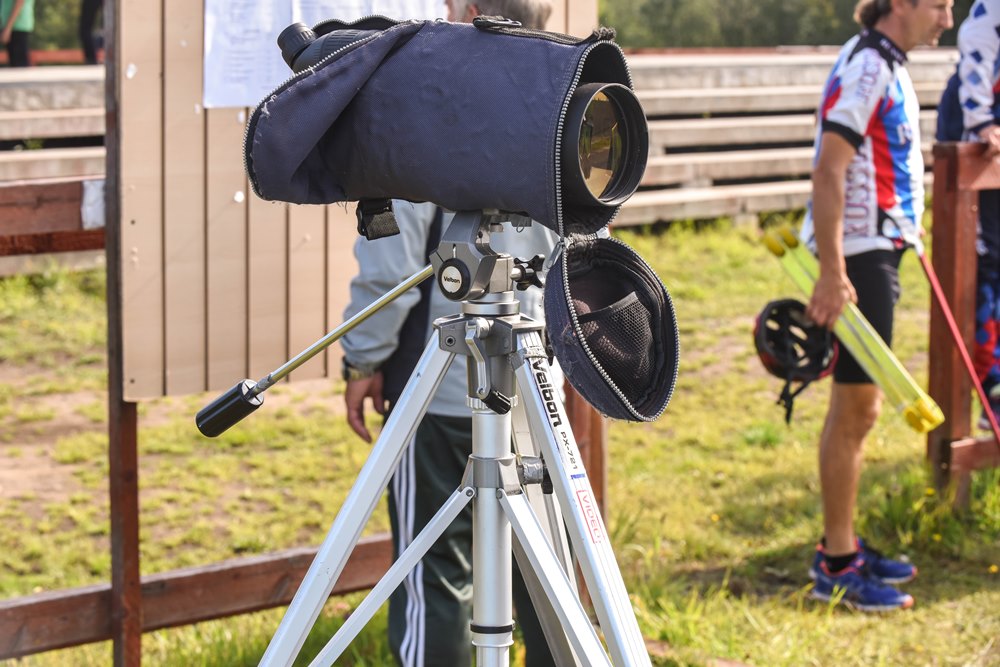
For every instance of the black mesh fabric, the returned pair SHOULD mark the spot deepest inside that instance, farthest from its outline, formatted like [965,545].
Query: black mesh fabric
[620,336]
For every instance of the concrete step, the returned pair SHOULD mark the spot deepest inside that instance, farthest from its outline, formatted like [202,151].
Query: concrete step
[61,87]
[782,68]
[752,99]
[52,123]
[711,202]
[694,169]
[654,206]
[51,163]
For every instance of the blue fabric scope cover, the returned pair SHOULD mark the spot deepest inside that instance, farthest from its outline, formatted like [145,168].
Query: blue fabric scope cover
[468,117]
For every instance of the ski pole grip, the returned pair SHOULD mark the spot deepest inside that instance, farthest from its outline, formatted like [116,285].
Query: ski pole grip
[228,409]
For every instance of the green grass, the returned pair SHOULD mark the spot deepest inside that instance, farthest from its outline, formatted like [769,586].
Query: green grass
[713,509]
[52,318]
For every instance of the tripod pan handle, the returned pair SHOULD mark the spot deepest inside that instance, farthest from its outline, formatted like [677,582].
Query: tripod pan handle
[228,409]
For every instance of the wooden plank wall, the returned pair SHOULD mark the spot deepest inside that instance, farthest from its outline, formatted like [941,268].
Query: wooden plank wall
[218,285]
[141,103]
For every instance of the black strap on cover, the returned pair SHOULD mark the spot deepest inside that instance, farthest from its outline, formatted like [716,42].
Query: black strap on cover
[376,219]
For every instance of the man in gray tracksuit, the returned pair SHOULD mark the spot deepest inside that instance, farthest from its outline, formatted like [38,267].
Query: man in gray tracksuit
[429,613]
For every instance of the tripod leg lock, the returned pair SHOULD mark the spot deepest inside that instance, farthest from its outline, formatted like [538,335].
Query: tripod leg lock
[477,330]
[498,403]
[531,470]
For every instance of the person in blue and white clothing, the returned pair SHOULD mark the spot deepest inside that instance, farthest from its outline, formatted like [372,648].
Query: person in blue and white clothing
[867,200]
[969,111]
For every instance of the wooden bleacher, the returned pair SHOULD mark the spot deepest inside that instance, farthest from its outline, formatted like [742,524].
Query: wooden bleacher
[51,131]
[51,105]
[730,132]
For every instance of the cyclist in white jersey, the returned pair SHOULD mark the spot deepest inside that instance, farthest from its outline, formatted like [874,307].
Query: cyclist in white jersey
[867,200]
[869,101]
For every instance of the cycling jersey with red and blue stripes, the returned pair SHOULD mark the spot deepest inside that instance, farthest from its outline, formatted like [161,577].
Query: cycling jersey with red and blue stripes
[869,101]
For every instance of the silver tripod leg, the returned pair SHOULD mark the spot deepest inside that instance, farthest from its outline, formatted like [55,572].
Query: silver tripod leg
[591,544]
[340,541]
[562,600]
[492,606]
[400,568]
[545,507]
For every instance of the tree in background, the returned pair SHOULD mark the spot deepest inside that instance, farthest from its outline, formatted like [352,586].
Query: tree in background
[56,24]
[640,23]
[737,23]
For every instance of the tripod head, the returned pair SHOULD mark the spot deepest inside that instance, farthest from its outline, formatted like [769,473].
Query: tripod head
[468,270]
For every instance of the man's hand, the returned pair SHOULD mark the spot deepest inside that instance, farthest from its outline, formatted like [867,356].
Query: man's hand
[990,135]
[354,397]
[829,298]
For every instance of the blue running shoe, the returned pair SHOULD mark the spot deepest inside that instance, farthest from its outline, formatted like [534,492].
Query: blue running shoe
[861,590]
[885,569]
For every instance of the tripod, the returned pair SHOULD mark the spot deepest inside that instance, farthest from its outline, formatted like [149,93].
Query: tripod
[512,398]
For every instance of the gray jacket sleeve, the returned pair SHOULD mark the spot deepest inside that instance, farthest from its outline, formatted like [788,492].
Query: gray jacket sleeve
[383,264]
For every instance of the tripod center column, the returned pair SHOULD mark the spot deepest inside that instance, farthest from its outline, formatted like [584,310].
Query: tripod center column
[492,609]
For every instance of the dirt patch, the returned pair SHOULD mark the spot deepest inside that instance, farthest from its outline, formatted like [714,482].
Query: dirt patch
[31,424]
[32,475]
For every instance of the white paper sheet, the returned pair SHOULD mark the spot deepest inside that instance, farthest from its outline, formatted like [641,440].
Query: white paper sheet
[242,60]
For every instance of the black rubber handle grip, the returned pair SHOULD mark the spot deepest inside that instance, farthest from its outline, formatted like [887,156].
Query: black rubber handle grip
[228,409]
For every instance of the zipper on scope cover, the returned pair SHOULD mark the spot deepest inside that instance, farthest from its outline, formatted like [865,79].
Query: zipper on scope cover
[557,151]
[508,27]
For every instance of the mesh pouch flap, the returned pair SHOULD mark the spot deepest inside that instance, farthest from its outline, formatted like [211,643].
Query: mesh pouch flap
[612,326]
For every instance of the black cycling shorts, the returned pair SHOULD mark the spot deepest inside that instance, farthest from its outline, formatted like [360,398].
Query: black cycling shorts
[875,276]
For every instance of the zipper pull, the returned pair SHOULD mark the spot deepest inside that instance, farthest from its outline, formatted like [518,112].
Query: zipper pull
[492,22]
[602,34]
[556,253]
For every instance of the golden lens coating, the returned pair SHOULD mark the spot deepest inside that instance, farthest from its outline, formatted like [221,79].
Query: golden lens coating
[600,145]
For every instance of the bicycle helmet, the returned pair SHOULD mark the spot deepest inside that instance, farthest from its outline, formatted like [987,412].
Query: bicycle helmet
[792,348]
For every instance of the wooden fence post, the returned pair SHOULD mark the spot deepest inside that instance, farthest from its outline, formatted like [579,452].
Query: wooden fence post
[959,174]
[123,459]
